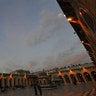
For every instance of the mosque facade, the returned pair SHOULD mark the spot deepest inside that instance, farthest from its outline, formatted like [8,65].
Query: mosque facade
[81,14]
[74,74]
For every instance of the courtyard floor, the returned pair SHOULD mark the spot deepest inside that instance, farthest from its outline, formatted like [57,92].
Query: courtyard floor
[66,90]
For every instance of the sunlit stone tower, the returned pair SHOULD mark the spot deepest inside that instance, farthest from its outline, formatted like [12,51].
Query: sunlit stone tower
[82,16]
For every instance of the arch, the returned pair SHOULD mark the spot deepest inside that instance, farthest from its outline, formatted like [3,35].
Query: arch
[57,80]
[87,76]
[22,82]
[14,82]
[30,81]
[67,79]
[40,82]
[44,82]
[80,78]
[18,82]
[6,82]
[93,73]
[10,82]
[73,78]
[62,81]
[0,83]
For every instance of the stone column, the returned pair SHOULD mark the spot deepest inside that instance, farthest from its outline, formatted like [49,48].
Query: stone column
[77,79]
[12,82]
[84,78]
[24,82]
[2,82]
[70,79]
[91,77]
[7,82]
[64,80]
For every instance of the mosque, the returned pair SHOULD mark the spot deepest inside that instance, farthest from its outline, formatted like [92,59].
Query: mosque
[81,14]
[81,73]
[74,74]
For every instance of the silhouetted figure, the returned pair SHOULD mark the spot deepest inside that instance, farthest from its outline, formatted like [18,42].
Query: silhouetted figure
[37,87]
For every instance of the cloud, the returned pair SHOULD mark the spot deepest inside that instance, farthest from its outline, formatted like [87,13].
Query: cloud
[50,25]
[70,57]
[31,64]
[18,30]
[49,62]
[67,47]
[8,70]
[77,59]
[13,64]
[64,59]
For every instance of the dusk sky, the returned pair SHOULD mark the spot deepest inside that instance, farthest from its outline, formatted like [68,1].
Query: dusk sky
[35,35]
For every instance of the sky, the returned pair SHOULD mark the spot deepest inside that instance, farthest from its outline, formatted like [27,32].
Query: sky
[35,35]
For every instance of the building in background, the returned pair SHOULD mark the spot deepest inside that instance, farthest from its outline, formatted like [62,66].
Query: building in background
[73,74]
[82,16]
[20,71]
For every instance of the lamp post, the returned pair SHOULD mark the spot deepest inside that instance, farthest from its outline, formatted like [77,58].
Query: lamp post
[88,45]
[71,20]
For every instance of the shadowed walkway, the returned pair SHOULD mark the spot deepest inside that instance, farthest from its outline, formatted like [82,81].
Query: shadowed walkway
[67,90]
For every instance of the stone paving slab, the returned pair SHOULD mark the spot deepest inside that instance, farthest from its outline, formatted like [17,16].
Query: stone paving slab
[66,90]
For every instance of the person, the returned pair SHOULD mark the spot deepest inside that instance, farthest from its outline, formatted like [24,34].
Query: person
[37,87]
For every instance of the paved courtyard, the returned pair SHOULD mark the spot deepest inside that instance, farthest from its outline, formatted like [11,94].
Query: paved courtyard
[66,90]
